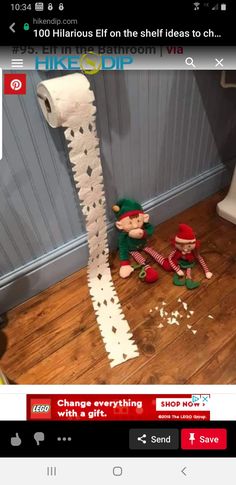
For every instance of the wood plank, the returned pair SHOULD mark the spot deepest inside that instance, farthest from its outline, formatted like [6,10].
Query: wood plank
[221,366]
[170,294]
[58,326]
[47,339]
[189,353]
[151,340]
[38,313]
[87,349]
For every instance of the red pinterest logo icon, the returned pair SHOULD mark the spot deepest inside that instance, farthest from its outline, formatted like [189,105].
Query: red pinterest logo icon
[15,84]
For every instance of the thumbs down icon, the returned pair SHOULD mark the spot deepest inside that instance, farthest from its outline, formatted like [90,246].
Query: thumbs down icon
[39,437]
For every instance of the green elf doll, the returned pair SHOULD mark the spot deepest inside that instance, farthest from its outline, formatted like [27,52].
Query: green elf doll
[135,229]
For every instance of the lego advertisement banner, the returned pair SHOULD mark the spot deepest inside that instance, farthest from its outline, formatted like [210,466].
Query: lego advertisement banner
[118,407]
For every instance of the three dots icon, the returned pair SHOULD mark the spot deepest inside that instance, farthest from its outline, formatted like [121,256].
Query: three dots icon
[64,438]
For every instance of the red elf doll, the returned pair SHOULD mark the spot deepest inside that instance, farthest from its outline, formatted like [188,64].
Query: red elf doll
[183,257]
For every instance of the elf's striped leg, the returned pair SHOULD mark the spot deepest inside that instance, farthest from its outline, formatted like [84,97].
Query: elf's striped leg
[158,258]
[190,284]
[189,274]
[150,274]
[138,257]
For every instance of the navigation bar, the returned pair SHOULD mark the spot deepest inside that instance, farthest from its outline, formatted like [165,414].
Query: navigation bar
[115,58]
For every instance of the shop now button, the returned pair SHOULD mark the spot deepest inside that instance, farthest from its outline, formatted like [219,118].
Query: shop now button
[203,439]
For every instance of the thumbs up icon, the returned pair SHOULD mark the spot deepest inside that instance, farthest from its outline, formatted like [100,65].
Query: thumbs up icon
[16,440]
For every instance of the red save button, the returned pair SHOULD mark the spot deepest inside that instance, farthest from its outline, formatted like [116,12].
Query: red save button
[203,439]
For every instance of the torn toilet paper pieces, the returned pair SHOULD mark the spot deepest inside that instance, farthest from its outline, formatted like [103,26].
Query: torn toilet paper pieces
[67,101]
[172,317]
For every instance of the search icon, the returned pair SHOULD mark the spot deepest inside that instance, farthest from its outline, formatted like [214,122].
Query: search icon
[189,61]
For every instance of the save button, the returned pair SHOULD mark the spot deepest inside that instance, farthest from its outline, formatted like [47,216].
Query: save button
[203,439]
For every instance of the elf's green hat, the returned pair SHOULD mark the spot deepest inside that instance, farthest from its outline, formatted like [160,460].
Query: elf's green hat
[126,207]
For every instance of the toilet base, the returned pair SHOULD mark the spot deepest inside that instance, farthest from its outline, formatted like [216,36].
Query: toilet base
[227,207]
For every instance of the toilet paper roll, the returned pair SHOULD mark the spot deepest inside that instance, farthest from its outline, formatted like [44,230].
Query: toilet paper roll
[67,101]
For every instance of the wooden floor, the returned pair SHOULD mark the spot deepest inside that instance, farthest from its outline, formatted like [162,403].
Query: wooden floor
[54,339]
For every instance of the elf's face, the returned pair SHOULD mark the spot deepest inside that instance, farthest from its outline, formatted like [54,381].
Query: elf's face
[185,248]
[132,222]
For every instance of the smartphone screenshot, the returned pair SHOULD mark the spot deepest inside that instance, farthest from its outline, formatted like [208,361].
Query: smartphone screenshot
[117,243]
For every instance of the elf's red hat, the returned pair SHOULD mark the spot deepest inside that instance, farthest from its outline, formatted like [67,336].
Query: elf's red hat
[185,234]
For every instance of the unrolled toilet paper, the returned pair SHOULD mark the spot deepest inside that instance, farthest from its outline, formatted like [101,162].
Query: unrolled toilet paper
[67,101]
